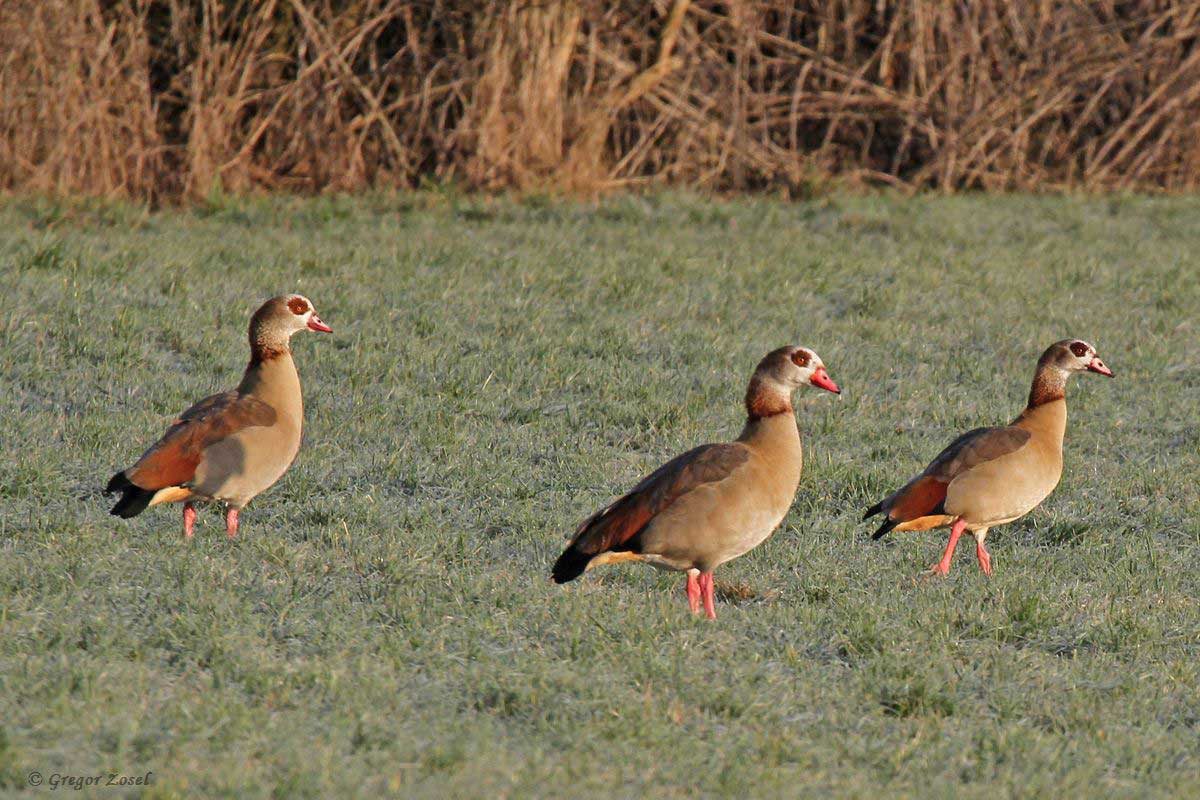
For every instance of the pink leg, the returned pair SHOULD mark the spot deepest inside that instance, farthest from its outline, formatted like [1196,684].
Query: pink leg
[231,522]
[943,566]
[693,591]
[985,558]
[189,519]
[706,588]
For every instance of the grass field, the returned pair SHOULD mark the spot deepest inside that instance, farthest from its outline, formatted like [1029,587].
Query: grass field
[498,370]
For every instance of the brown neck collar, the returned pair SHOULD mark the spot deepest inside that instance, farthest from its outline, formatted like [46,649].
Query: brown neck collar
[764,400]
[262,351]
[1049,384]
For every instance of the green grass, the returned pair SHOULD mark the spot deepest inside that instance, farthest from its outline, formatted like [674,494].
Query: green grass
[498,370]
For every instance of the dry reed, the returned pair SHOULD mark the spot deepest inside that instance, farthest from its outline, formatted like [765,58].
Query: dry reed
[163,99]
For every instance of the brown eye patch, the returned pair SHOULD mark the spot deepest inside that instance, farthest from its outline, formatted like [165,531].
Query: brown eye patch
[800,358]
[298,306]
[1079,349]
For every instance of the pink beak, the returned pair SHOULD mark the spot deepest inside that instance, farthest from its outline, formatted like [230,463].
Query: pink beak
[1096,365]
[820,378]
[314,322]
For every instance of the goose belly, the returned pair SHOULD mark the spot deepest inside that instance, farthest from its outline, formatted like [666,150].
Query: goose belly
[706,530]
[1001,491]
[249,462]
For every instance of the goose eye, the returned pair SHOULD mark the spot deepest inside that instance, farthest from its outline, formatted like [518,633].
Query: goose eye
[298,306]
[1079,349]
[800,358]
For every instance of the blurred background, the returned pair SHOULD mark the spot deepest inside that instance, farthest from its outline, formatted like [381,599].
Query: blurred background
[165,100]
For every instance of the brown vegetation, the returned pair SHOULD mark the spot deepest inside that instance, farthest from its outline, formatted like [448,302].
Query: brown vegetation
[160,99]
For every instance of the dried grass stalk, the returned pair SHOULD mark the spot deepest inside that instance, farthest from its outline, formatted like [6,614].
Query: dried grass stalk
[160,99]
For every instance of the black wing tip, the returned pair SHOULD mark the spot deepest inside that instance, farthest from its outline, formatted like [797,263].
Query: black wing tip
[117,483]
[873,510]
[570,565]
[883,529]
[134,500]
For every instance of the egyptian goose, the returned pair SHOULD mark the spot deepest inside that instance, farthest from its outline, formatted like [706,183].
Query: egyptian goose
[713,503]
[990,476]
[232,446]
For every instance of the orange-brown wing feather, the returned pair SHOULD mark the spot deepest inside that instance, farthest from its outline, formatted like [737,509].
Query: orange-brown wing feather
[925,494]
[172,460]
[617,526]
[918,498]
